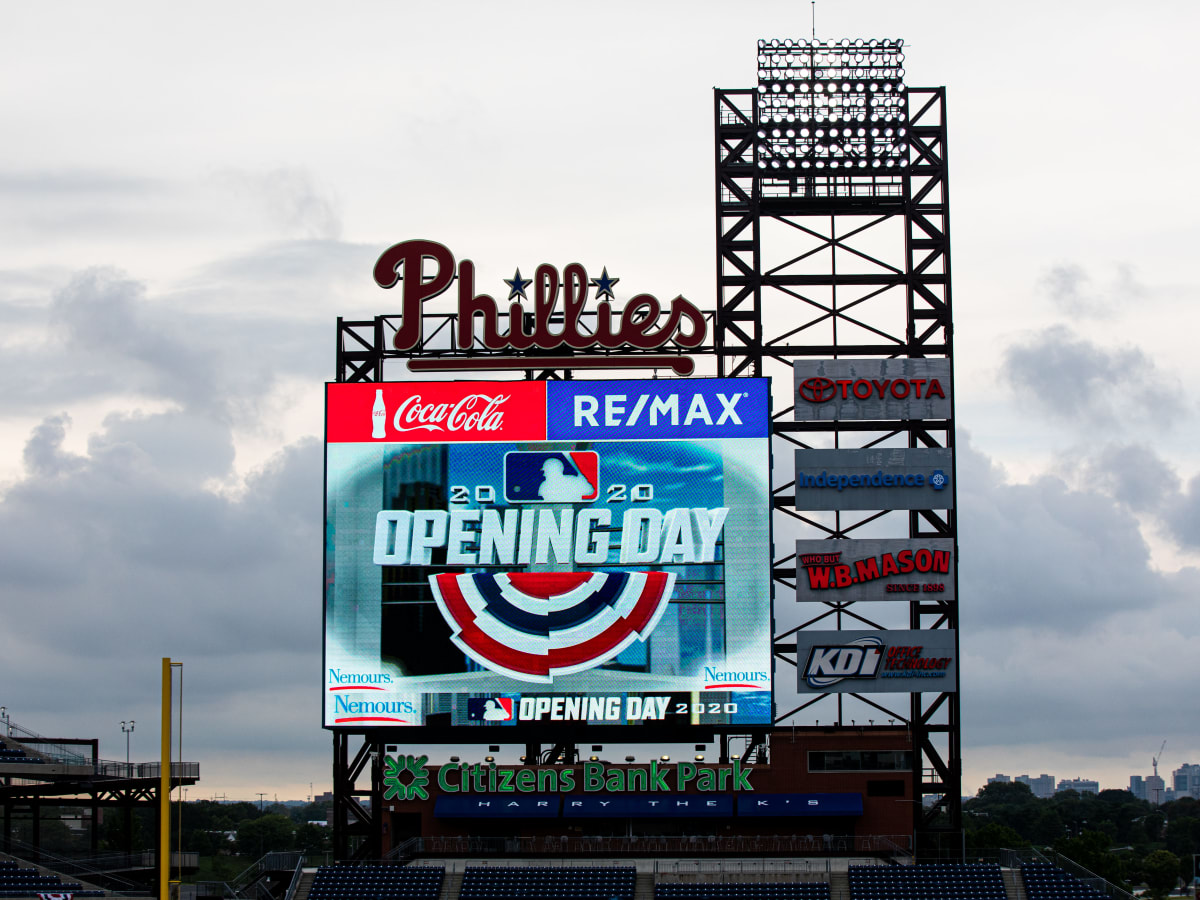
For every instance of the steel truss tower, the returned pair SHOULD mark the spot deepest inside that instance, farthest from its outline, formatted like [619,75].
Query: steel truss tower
[833,240]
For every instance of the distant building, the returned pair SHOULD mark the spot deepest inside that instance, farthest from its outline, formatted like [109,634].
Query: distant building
[1154,789]
[1186,781]
[1083,785]
[1137,786]
[1042,786]
[999,779]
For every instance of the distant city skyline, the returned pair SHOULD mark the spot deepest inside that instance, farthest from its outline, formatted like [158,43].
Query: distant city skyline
[1184,782]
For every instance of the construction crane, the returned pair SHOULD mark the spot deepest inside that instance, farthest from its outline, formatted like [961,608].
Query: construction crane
[1155,796]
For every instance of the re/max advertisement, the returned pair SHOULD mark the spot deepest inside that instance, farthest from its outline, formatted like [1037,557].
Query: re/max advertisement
[520,553]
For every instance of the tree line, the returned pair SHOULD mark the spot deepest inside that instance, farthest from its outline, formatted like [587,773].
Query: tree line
[1125,840]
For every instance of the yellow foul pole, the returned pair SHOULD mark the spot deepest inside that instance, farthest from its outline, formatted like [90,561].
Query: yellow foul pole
[164,787]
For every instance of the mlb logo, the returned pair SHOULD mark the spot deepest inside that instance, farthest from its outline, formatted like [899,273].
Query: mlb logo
[489,709]
[551,476]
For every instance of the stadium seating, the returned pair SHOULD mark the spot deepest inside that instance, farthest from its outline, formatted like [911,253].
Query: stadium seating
[543,882]
[382,881]
[762,890]
[927,882]
[18,881]
[1045,881]
[9,754]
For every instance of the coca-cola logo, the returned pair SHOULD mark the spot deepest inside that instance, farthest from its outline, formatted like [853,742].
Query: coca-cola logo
[554,320]
[817,390]
[474,412]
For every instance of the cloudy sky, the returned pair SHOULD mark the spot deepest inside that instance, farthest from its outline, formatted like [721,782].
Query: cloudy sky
[190,196]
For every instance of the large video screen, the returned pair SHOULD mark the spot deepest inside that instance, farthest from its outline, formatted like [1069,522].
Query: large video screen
[529,553]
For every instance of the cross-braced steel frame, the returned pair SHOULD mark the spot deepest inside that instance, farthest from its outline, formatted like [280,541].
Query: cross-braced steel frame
[816,264]
[809,266]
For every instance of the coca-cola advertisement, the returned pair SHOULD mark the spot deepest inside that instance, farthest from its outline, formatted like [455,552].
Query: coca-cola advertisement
[526,552]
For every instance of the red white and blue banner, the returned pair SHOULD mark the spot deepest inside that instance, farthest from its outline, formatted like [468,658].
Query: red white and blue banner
[506,553]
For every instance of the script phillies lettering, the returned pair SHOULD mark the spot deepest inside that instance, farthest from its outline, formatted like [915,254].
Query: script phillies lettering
[429,269]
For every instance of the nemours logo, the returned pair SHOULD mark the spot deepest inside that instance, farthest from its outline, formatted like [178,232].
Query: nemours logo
[340,680]
[346,711]
[742,680]
[429,269]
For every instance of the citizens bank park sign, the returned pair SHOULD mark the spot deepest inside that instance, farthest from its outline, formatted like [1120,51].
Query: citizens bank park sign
[527,552]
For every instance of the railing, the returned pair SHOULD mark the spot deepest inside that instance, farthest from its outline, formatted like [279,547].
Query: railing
[57,752]
[248,880]
[404,852]
[214,889]
[88,869]
[1014,858]
[295,882]
[706,845]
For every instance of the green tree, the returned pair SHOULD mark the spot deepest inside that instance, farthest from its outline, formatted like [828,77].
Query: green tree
[992,836]
[1161,871]
[265,834]
[1091,849]
[312,839]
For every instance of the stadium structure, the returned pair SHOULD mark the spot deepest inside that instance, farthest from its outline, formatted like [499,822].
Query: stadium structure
[569,527]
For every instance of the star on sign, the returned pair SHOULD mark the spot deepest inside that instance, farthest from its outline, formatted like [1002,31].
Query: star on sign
[604,285]
[517,285]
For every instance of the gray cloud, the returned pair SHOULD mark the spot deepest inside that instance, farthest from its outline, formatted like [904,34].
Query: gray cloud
[1045,555]
[1076,380]
[121,556]
[1133,474]
[291,198]
[1073,291]
[100,334]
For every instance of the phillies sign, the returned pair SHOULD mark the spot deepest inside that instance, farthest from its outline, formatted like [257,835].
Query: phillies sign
[556,319]
[829,389]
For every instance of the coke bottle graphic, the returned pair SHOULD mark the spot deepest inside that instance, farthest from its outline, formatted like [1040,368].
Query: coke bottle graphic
[379,416]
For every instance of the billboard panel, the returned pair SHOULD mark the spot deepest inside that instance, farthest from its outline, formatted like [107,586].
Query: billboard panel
[522,553]
[866,569]
[886,478]
[871,662]
[828,389]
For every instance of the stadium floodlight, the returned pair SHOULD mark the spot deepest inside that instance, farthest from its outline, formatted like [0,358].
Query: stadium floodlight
[629,759]
[127,731]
